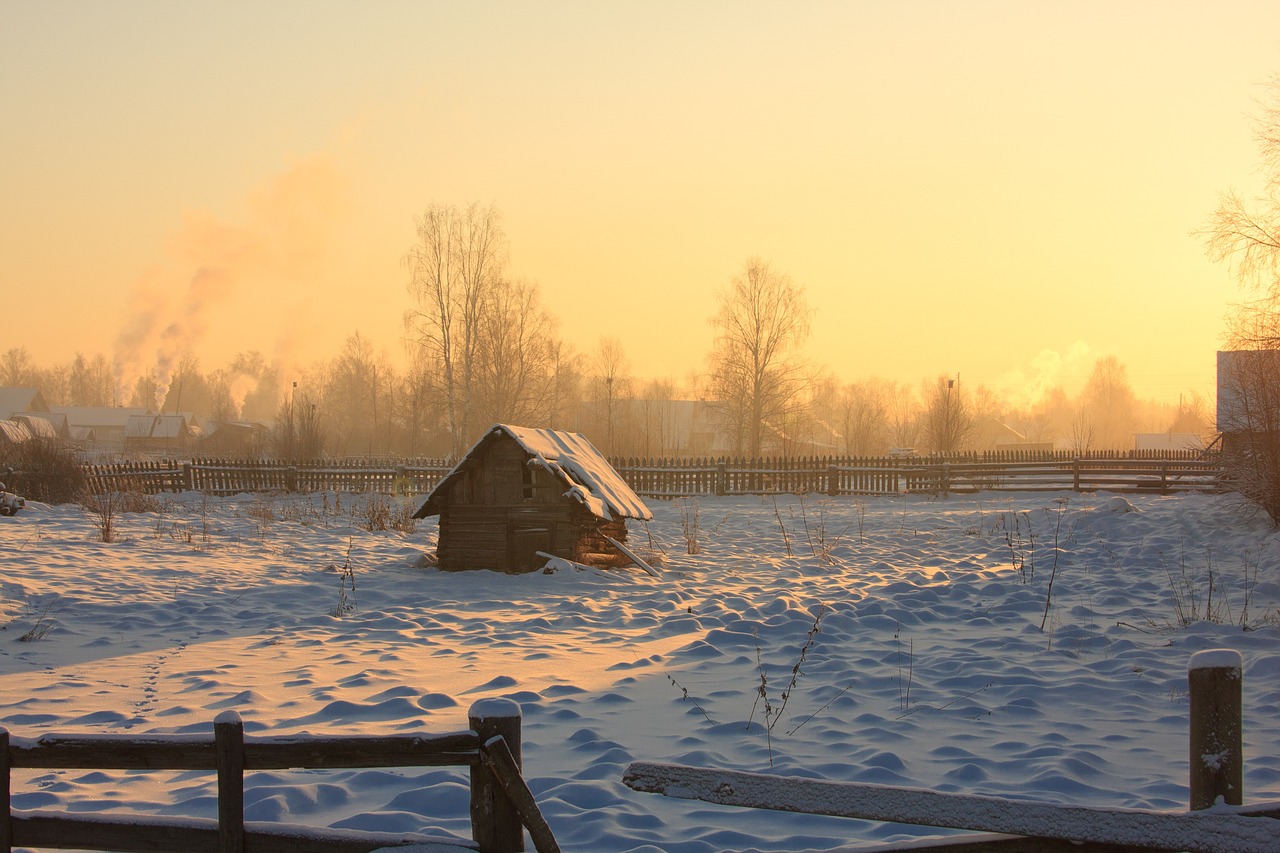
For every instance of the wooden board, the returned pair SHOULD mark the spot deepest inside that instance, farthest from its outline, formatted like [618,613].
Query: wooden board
[631,555]
[1195,832]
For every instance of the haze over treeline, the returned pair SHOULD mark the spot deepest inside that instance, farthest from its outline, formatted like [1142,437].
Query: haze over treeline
[368,407]
[483,348]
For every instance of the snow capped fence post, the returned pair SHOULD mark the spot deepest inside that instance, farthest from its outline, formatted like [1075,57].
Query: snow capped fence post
[228,738]
[6,828]
[1215,682]
[495,824]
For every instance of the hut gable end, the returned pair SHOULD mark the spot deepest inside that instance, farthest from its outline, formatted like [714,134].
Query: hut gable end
[520,492]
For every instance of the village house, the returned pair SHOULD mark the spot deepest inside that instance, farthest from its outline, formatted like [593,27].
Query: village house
[15,400]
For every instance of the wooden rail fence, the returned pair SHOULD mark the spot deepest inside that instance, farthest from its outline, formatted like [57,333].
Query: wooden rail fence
[502,807]
[1216,779]
[672,478]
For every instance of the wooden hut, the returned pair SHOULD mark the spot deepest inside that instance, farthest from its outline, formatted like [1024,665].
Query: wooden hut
[520,491]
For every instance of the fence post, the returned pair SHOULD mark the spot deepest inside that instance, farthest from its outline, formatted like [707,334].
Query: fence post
[495,825]
[6,829]
[722,478]
[833,481]
[1215,682]
[228,744]
[1075,474]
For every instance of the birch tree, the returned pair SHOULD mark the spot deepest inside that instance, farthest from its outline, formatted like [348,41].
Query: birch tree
[454,266]
[757,373]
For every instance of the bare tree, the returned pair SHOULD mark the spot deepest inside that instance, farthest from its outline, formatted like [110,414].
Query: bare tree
[1249,418]
[1111,404]
[91,382]
[1246,235]
[656,419]
[757,374]
[420,409]
[16,369]
[862,416]
[904,420]
[515,356]
[948,417]
[454,267]
[299,431]
[1082,432]
[355,398]
[564,386]
[610,383]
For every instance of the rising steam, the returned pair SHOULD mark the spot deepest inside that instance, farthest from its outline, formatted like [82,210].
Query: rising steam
[281,236]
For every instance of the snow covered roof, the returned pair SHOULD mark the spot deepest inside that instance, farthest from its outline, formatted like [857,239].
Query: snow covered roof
[115,417]
[21,400]
[157,426]
[139,426]
[38,427]
[570,458]
[13,432]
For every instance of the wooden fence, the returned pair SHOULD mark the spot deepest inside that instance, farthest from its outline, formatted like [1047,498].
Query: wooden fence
[234,476]
[882,475]
[672,478]
[502,807]
[1216,780]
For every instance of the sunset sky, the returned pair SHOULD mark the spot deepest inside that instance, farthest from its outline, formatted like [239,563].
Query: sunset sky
[1000,190]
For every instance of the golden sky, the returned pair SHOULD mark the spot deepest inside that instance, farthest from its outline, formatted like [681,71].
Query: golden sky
[1003,190]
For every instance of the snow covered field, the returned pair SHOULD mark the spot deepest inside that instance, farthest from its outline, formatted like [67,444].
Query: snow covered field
[925,662]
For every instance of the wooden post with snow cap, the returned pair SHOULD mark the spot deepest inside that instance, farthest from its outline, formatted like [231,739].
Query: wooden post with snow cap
[1215,682]
[6,828]
[495,824]
[228,740]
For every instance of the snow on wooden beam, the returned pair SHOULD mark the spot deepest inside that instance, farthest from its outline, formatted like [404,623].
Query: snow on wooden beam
[1215,831]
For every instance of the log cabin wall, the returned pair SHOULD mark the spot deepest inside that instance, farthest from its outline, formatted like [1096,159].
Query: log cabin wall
[501,511]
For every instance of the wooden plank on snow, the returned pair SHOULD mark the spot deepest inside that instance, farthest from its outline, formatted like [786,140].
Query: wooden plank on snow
[1195,832]
[631,555]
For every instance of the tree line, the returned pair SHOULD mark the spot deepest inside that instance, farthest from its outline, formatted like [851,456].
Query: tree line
[483,349]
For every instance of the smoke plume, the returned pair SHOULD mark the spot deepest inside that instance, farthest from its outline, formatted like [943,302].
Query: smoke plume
[282,235]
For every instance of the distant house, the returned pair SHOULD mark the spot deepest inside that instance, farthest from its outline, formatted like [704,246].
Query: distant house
[520,493]
[234,438]
[103,425]
[1248,395]
[41,425]
[13,400]
[1168,441]
[159,433]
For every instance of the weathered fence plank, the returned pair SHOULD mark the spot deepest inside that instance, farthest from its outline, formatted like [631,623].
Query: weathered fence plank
[491,750]
[1196,832]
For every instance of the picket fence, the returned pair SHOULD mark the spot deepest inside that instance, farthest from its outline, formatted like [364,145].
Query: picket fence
[674,478]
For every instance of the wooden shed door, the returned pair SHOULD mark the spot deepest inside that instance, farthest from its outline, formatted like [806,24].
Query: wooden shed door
[525,539]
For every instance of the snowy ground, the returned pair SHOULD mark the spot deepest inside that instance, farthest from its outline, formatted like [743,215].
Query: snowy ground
[929,666]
